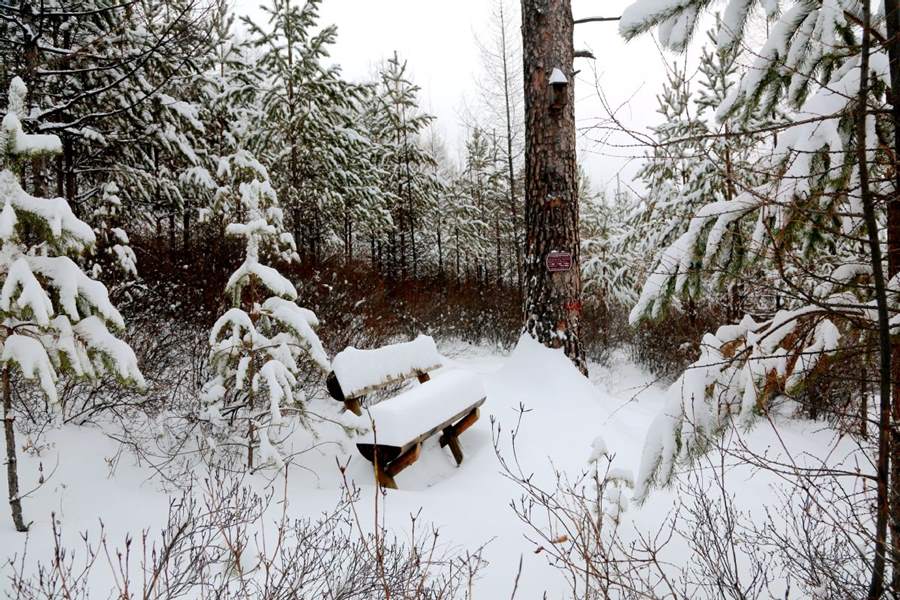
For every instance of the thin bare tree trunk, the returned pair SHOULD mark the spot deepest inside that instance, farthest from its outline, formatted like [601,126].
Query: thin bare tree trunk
[552,299]
[440,250]
[12,472]
[893,256]
[186,230]
[510,166]
[876,585]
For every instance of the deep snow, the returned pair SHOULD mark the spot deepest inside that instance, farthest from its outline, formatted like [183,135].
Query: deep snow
[470,504]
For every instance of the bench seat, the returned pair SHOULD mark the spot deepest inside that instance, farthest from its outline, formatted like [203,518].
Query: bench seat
[403,418]
[448,404]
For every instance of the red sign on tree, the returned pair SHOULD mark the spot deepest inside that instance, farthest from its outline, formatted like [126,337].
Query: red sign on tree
[559,262]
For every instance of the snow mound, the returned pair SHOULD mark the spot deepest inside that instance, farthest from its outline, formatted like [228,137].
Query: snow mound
[540,373]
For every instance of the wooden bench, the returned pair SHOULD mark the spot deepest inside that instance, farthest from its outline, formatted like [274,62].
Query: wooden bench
[448,404]
[357,373]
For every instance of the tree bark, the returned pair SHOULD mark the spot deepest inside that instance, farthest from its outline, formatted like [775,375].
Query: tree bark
[893,256]
[552,300]
[876,585]
[186,231]
[12,472]
[510,166]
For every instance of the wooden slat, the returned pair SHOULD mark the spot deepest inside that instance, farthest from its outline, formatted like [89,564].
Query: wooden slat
[391,460]
[399,379]
[421,438]
[334,387]
[388,453]
[403,461]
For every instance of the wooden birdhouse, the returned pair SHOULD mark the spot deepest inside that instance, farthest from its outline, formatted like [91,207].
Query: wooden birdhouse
[559,89]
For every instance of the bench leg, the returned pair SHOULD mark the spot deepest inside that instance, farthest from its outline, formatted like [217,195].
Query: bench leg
[385,473]
[383,479]
[354,406]
[449,438]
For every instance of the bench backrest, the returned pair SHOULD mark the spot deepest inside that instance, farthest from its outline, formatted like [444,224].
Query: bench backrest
[360,372]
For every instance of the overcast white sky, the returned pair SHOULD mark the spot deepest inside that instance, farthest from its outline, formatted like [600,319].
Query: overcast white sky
[437,37]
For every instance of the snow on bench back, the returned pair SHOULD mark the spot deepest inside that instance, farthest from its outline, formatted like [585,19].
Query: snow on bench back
[403,418]
[362,371]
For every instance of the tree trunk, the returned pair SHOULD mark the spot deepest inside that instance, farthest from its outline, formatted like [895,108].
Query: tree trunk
[552,300]
[510,166]
[71,183]
[876,585]
[440,251]
[12,473]
[456,231]
[893,256]
[186,231]
[173,249]
[499,250]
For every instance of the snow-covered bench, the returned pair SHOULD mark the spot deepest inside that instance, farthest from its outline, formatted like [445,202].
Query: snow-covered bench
[356,373]
[448,404]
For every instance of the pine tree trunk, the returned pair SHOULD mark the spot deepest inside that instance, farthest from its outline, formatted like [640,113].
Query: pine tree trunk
[552,300]
[876,585]
[173,249]
[510,166]
[12,473]
[348,238]
[60,174]
[893,256]
[456,231]
[71,184]
[186,230]
[498,250]
[440,251]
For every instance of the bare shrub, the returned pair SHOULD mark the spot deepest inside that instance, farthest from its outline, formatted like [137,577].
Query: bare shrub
[219,542]
[812,539]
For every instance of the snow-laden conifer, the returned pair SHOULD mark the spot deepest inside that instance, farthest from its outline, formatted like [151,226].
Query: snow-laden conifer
[55,318]
[311,128]
[259,345]
[409,178]
[610,262]
[800,217]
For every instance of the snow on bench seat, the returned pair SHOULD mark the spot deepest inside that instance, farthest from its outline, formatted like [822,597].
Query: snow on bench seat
[406,417]
[361,371]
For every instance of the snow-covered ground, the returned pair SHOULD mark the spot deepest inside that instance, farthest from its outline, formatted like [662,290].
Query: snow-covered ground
[470,503]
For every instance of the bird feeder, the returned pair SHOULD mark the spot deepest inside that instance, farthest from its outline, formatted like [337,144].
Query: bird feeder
[559,84]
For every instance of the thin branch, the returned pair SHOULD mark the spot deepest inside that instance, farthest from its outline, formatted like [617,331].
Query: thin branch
[596,20]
